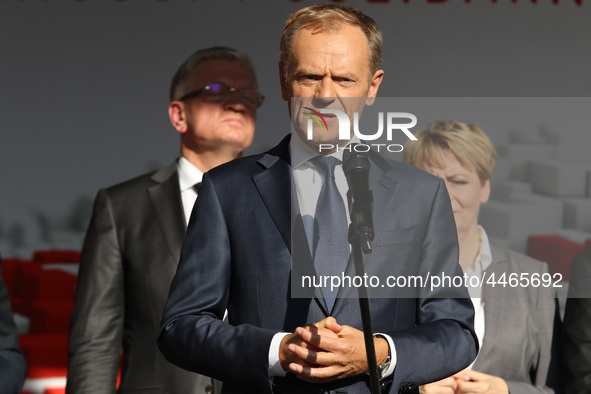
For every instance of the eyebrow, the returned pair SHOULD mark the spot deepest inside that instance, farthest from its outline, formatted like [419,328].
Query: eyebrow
[346,74]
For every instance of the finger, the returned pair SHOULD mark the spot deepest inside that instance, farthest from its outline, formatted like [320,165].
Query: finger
[301,363]
[329,324]
[306,354]
[285,355]
[328,320]
[475,376]
[435,389]
[319,358]
[450,382]
[444,386]
[320,341]
[334,326]
[299,341]
[464,375]
[309,335]
[325,322]
[470,387]
[322,330]
[315,374]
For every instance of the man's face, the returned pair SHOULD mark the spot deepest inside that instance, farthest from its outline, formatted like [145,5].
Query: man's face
[329,68]
[229,121]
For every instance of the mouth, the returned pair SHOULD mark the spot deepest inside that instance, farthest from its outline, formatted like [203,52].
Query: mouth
[233,120]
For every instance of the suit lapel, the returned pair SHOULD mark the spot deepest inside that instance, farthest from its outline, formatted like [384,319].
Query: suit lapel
[495,312]
[383,185]
[303,263]
[168,208]
[274,187]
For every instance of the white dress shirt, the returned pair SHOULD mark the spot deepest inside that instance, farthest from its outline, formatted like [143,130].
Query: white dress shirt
[481,263]
[189,176]
[308,183]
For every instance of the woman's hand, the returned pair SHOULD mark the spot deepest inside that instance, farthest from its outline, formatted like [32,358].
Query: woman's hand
[467,382]
[445,386]
[470,381]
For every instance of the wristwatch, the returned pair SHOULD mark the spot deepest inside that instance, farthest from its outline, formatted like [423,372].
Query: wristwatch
[382,368]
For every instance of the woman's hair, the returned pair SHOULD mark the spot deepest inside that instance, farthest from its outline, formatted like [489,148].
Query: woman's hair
[466,141]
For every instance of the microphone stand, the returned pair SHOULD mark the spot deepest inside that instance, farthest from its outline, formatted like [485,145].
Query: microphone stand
[360,238]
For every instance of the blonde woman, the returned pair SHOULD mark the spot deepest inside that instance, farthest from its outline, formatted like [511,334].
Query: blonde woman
[517,333]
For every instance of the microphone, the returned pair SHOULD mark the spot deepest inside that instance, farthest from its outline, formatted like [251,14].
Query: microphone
[360,198]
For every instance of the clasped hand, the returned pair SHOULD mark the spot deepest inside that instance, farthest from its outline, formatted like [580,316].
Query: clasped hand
[326,351]
[466,382]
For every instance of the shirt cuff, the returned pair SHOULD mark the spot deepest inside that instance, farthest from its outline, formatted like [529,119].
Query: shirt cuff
[275,368]
[393,358]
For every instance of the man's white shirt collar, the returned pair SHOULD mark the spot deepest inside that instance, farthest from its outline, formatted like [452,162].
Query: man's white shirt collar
[189,175]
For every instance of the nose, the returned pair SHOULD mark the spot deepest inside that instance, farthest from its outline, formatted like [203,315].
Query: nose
[235,102]
[325,93]
[450,190]
[326,88]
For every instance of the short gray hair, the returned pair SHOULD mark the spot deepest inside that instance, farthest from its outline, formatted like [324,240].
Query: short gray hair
[181,82]
[329,17]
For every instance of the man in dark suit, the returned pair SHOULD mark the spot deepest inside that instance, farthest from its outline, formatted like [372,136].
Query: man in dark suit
[133,242]
[13,369]
[576,341]
[237,252]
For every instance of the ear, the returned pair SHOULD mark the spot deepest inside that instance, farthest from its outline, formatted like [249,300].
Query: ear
[282,80]
[176,113]
[376,80]
[485,192]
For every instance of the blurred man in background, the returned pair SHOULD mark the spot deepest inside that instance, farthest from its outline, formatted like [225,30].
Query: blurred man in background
[134,239]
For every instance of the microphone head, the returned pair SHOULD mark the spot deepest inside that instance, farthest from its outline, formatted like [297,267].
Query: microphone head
[354,160]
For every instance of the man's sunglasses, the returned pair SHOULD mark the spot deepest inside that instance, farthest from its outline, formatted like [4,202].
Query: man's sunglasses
[217,92]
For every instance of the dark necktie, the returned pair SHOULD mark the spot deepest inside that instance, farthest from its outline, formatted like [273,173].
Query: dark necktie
[330,229]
